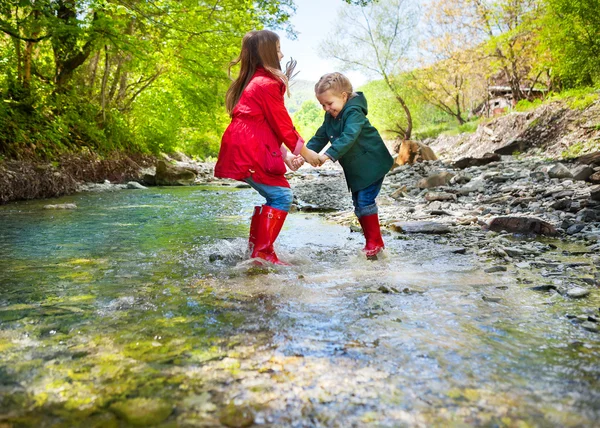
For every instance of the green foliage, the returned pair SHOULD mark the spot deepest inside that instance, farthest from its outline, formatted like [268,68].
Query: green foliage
[570,30]
[465,128]
[104,75]
[385,113]
[525,105]
[308,118]
[579,148]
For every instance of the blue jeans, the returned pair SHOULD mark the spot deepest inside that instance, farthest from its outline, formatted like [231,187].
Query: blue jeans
[277,197]
[364,200]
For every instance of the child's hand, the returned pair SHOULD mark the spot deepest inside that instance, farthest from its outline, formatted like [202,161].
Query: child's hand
[311,156]
[323,159]
[293,162]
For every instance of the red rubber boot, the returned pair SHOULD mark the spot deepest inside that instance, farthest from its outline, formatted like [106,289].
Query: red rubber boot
[270,222]
[253,229]
[372,231]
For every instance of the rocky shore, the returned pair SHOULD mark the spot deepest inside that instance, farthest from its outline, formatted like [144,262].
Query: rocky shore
[537,218]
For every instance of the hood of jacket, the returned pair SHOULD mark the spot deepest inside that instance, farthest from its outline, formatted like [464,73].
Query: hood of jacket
[357,102]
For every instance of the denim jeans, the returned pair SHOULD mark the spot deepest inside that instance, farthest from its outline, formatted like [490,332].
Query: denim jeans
[277,197]
[364,200]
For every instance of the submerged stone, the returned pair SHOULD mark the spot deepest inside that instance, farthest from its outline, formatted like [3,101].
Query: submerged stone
[143,411]
[236,416]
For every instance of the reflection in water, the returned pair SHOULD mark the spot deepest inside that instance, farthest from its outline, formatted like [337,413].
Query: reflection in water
[144,300]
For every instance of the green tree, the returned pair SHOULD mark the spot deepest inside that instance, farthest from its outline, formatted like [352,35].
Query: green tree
[570,32]
[378,39]
[308,118]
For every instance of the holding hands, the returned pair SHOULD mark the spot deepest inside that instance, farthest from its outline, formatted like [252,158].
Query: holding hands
[293,162]
[313,157]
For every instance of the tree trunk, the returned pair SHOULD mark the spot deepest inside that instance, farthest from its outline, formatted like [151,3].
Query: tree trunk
[104,82]
[409,124]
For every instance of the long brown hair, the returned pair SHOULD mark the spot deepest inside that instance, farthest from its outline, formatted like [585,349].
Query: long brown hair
[259,49]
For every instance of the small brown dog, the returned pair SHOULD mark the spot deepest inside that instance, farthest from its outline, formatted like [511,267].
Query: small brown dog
[410,152]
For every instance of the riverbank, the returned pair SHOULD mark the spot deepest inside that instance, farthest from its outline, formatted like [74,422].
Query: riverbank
[37,179]
[536,219]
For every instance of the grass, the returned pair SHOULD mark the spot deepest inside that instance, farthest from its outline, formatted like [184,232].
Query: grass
[577,149]
[446,128]
[576,99]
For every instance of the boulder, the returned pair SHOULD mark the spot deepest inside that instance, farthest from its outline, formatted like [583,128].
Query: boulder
[524,225]
[470,161]
[170,175]
[590,159]
[582,172]
[558,170]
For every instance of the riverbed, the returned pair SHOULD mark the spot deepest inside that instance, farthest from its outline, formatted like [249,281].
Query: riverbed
[139,308]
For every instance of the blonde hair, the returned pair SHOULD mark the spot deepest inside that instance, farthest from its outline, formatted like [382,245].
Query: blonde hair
[259,49]
[335,82]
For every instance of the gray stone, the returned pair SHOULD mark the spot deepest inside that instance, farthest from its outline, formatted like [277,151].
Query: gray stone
[435,180]
[582,172]
[171,175]
[578,292]
[135,185]
[559,171]
[419,227]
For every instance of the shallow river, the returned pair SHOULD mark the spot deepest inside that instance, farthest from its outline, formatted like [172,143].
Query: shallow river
[138,308]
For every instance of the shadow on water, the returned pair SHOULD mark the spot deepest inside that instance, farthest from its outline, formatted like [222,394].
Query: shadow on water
[140,308]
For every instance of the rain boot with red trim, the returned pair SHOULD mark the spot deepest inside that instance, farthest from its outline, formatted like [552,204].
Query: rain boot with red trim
[372,231]
[253,229]
[270,222]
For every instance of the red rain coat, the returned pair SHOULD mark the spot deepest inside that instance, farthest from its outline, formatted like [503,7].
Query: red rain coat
[252,143]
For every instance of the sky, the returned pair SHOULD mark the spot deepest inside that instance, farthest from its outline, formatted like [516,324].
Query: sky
[314,21]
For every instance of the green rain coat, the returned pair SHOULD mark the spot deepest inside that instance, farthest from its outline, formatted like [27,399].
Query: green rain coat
[355,143]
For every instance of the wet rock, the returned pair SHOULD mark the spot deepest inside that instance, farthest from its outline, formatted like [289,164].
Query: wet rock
[578,292]
[491,299]
[171,175]
[214,257]
[595,193]
[594,178]
[545,287]
[524,225]
[142,411]
[590,326]
[60,207]
[419,227]
[135,185]
[237,416]
[495,269]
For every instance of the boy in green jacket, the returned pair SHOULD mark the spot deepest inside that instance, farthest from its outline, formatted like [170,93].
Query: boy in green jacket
[357,145]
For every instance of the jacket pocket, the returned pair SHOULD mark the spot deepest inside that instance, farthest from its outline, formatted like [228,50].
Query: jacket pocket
[273,161]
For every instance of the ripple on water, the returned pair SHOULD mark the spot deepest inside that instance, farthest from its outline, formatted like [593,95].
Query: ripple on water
[150,294]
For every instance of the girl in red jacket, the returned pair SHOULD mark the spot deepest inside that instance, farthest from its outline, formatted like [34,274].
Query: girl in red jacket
[251,148]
